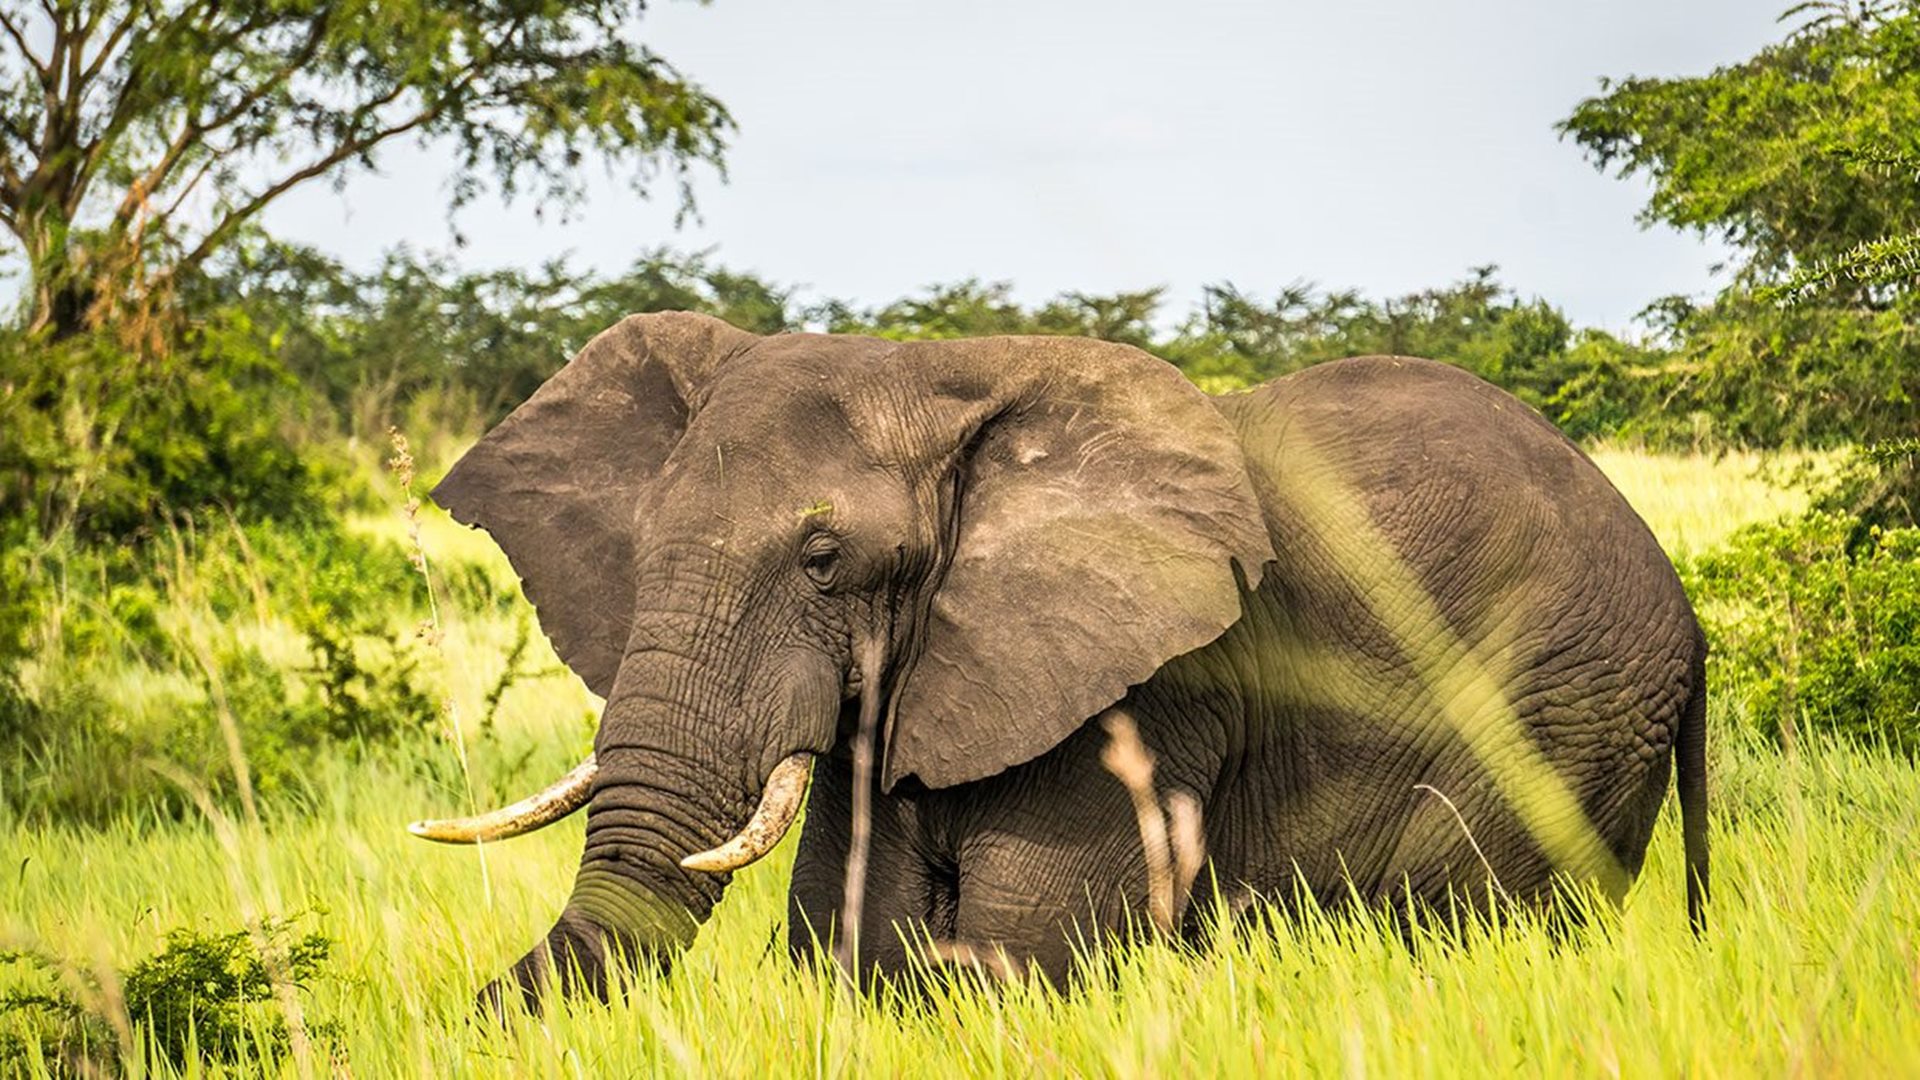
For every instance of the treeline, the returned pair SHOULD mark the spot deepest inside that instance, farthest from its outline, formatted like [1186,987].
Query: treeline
[288,348]
[472,345]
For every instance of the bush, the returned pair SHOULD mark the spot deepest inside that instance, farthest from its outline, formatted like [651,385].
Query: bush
[109,444]
[201,997]
[299,637]
[1811,629]
[1742,373]
[1878,487]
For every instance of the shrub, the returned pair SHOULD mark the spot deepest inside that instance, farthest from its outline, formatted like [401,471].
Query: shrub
[363,687]
[1878,487]
[207,989]
[1808,630]
[145,655]
[108,443]
[203,995]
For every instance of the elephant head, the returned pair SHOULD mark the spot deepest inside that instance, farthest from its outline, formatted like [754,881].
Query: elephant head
[733,539]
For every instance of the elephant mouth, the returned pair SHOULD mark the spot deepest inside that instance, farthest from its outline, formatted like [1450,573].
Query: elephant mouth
[781,797]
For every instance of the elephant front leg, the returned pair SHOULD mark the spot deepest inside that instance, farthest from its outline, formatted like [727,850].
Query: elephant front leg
[909,898]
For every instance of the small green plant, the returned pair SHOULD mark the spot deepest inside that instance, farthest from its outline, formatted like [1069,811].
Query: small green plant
[206,996]
[516,670]
[215,990]
[363,686]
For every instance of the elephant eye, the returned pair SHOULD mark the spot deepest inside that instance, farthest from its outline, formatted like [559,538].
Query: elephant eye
[820,559]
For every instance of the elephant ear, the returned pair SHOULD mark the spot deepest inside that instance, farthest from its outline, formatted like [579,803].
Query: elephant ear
[557,482]
[1102,504]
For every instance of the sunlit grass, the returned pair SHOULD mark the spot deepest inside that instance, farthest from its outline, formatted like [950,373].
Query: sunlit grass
[1811,959]
[1812,963]
[1693,502]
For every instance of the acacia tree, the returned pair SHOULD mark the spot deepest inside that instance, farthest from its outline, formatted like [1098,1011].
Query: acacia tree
[1803,159]
[140,137]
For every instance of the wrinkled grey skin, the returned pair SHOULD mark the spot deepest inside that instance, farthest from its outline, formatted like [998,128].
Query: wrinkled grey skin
[1385,623]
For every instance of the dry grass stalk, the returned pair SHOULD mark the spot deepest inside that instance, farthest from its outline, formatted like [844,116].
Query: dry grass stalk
[854,891]
[1492,877]
[1174,856]
[432,631]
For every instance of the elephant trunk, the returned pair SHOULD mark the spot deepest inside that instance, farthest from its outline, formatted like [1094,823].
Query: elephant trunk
[680,797]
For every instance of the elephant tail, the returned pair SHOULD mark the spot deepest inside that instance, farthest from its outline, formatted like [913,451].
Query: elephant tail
[1690,765]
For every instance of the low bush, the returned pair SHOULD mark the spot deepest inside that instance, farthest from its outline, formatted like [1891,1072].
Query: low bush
[202,997]
[1814,624]
[296,639]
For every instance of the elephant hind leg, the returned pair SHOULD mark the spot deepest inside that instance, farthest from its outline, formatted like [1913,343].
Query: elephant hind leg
[1463,854]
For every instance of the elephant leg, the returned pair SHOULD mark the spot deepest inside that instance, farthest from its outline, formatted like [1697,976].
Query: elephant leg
[1051,864]
[907,897]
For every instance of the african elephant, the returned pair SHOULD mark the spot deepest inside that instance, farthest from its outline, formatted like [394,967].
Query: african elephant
[1397,637]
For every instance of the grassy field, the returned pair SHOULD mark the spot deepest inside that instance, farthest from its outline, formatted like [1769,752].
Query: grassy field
[1812,965]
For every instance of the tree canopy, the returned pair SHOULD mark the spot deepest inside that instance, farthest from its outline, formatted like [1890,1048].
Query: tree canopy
[138,138]
[1796,157]
[1806,159]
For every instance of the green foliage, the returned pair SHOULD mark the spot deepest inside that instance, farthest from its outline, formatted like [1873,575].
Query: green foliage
[114,112]
[1744,373]
[1579,379]
[474,344]
[1803,159]
[972,308]
[110,444]
[364,688]
[1477,324]
[1812,629]
[204,991]
[1878,489]
[1756,153]
[197,619]
[203,997]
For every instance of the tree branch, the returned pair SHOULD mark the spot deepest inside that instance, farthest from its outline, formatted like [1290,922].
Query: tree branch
[10,197]
[186,190]
[351,148]
[75,54]
[50,92]
[20,41]
[192,130]
[114,38]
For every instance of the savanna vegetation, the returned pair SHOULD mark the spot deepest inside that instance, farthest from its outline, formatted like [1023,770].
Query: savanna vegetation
[239,649]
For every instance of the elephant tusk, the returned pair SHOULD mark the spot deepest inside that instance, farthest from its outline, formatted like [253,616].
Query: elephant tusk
[779,804]
[543,808]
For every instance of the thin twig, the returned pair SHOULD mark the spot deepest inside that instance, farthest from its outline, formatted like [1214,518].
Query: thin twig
[1442,796]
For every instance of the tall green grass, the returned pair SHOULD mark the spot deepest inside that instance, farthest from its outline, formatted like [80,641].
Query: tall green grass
[1812,963]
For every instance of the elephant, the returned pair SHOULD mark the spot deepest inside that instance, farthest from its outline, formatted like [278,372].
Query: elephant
[1396,639]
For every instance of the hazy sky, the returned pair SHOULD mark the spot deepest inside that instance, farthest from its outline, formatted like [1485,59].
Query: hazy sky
[1082,145]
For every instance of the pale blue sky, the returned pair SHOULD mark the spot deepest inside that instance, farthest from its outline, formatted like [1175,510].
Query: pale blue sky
[1086,145]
